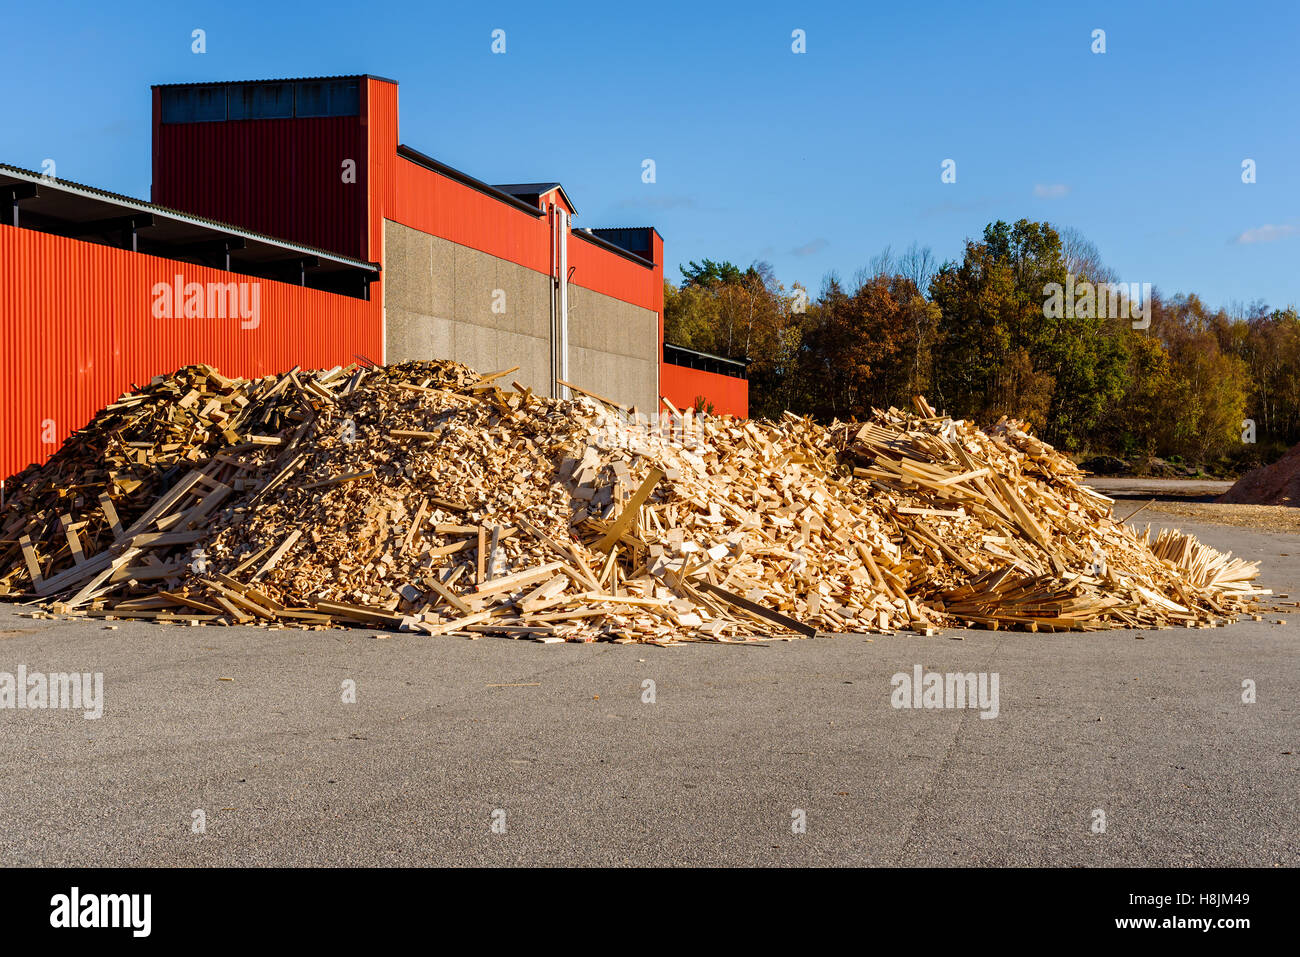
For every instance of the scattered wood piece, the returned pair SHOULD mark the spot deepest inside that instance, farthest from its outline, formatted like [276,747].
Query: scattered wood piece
[630,510]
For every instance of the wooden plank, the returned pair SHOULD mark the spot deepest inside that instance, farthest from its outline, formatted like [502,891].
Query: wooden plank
[232,609]
[199,511]
[493,553]
[167,539]
[451,549]
[164,503]
[339,480]
[447,504]
[754,608]
[111,567]
[634,600]
[529,630]
[630,510]
[518,579]
[441,628]
[593,395]
[242,601]
[33,565]
[251,560]
[149,572]
[449,596]
[374,616]
[277,554]
[75,575]
[492,377]
[189,602]
[542,593]
[415,524]
[574,564]
[110,514]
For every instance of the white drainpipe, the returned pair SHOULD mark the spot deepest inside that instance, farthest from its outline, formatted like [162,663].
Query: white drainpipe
[555,335]
[562,259]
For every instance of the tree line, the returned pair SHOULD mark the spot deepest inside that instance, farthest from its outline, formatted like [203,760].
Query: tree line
[985,337]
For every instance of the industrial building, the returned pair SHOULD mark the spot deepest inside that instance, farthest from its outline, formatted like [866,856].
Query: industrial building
[297,196]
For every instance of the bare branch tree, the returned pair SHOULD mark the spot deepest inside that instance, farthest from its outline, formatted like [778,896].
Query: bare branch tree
[883,264]
[1082,258]
[919,265]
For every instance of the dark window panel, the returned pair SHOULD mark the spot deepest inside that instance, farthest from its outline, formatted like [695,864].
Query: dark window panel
[329,98]
[194,104]
[261,101]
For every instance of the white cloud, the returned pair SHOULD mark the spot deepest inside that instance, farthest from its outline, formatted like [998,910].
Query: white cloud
[659,202]
[1051,191]
[809,248]
[1264,234]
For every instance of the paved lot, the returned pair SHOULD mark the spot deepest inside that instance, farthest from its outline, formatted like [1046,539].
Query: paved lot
[1125,487]
[445,732]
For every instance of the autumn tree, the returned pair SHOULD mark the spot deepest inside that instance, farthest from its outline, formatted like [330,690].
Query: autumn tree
[862,349]
[740,314]
[991,335]
[1002,351]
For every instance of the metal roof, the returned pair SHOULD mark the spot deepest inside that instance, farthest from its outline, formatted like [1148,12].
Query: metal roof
[742,363]
[15,174]
[614,229]
[80,212]
[604,243]
[635,239]
[287,79]
[534,190]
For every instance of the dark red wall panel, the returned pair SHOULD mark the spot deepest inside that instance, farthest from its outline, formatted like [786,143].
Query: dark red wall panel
[279,177]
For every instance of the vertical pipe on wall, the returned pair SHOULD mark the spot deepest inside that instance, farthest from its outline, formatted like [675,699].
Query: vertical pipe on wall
[555,366]
[562,242]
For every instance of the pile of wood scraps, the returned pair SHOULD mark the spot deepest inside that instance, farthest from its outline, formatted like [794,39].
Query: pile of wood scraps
[1025,542]
[427,498]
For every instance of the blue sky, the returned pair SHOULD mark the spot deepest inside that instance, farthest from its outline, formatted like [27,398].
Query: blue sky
[812,161]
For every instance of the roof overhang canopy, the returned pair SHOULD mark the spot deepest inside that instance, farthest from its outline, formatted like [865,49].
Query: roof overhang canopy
[32,201]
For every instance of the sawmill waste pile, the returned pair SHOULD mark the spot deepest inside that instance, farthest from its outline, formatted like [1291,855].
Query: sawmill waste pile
[425,497]
[1276,484]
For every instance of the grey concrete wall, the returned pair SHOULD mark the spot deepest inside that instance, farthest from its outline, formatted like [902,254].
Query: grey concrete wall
[438,298]
[613,348]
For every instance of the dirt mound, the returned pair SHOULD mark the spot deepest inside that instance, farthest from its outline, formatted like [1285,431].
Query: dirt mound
[1276,484]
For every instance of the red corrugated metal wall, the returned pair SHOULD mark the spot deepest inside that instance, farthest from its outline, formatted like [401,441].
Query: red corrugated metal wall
[379,125]
[434,204]
[681,385]
[613,275]
[77,328]
[279,177]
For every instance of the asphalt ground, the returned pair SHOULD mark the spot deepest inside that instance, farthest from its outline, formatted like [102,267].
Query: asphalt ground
[1125,487]
[557,747]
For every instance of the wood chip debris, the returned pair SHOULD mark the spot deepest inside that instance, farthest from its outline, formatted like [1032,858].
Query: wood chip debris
[426,498]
